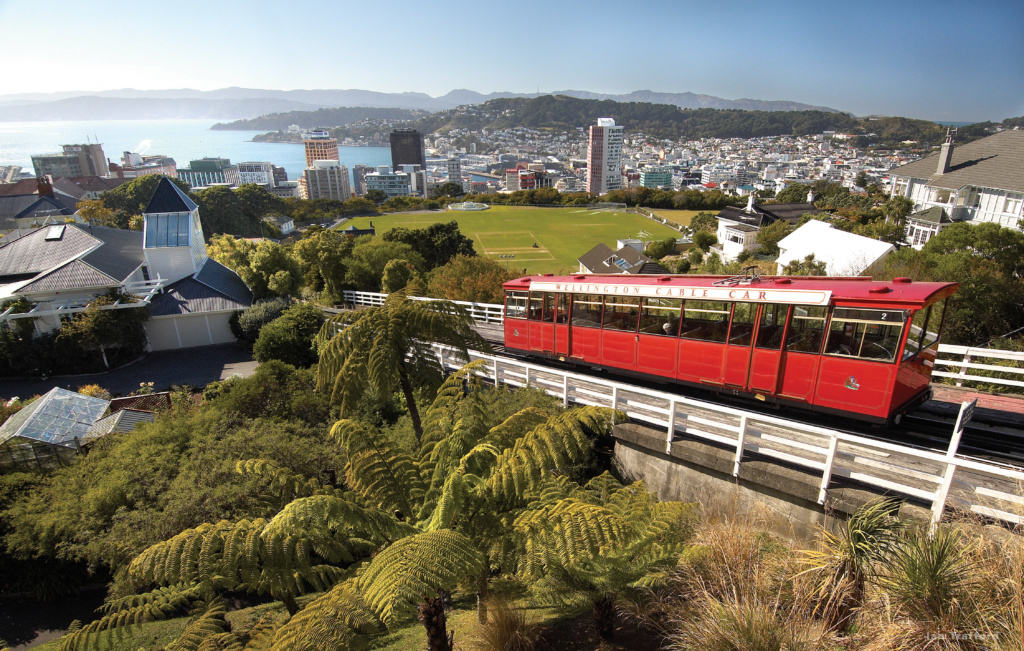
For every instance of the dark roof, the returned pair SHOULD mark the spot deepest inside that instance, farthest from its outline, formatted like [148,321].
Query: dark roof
[168,197]
[144,402]
[216,276]
[189,296]
[601,259]
[96,183]
[743,228]
[74,275]
[933,215]
[996,162]
[121,253]
[767,214]
[29,205]
[124,420]
[651,268]
[24,186]
[33,253]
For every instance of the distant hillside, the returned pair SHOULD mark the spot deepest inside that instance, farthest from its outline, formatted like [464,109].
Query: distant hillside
[327,117]
[658,120]
[234,103]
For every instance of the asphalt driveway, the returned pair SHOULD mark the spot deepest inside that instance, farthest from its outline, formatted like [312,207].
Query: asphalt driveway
[195,366]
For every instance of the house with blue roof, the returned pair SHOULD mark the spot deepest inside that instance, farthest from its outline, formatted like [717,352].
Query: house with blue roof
[60,268]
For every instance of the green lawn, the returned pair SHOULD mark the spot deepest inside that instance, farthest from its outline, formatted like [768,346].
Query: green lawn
[561,235]
[681,217]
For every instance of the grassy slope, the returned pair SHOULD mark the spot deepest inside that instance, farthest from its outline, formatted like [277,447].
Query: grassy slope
[562,234]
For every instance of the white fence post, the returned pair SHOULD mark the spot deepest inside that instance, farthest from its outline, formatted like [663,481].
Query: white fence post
[671,426]
[942,494]
[615,397]
[565,390]
[963,368]
[826,473]
[496,371]
[740,440]
[527,376]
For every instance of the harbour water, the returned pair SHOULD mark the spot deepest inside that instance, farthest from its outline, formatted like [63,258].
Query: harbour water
[182,140]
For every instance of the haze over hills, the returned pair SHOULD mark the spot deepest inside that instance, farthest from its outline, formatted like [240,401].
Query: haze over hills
[237,103]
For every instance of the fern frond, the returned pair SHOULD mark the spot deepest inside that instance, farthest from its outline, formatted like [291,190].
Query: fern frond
[204,625]
[338,619]
[377,469]
[221,642]
[396,580]
[285,484]
[558,443]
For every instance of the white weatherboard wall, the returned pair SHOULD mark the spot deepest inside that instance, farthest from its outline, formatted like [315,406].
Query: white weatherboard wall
[188,331]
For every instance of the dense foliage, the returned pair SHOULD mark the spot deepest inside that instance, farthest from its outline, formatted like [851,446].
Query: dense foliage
[289,337]
[332,117]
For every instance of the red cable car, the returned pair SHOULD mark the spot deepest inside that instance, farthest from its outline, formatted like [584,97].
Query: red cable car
[850,346]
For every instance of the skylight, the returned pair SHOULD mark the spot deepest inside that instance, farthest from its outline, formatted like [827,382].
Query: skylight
[55,232]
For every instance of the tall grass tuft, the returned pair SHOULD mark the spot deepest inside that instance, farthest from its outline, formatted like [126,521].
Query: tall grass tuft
[506,629]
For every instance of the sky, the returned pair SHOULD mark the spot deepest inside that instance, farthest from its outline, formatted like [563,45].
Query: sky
[931,59]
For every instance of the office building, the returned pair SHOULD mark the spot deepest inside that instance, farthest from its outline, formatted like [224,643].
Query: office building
[258,172]
[326,179]
[391,183]
[407,149]
[604,157]
[359,173]
[134,165]
[656,177]
[208,171]
[73,160]
[454,170]
[320,146]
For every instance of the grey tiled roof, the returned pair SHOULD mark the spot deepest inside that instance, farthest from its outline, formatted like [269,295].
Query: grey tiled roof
[189,296]
[595,257]
[766,214]
[121,253]
[169,198]
[996,162]
[73,275]
[218,277]
[933,215]
[34,253]
[600,260]
[124,420]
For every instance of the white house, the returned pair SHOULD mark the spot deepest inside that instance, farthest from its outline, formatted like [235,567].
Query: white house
[844,254]
[981,181]
[738,227]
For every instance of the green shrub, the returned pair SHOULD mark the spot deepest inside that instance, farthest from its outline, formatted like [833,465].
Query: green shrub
[246,325]
[289,338]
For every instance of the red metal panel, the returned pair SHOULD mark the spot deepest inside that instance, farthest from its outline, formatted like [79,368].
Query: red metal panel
[799,371]
[561,339]
[700,361]
[855,385]
[586,344]
[657,355]
[737,363]
[618,348]
[764,370]
[517,333]
[913,378]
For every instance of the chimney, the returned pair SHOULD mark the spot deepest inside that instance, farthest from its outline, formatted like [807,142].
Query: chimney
[750,203]
[810,196]
[44,186]
[946,152]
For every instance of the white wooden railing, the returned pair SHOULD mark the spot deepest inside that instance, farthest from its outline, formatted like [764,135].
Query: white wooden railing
[957,357]
[943,479]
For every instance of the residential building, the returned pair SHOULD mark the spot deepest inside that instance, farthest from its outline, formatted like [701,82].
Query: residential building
[627,260]
[74,160]
[407,148]
[656,177]
[258,172]
[280,175]
[604,157]
[844,254]
[320,146]
[980,181]
[35,202]
[738,227]
[391,183]
[62,267]
[206,171]
[326,179]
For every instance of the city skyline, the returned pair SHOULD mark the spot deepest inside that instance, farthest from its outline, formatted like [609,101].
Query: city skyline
[873,58]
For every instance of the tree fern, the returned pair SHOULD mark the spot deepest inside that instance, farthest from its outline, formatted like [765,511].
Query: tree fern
[377,469]
[395,581]
[338,619]
[284,484]
[206,624]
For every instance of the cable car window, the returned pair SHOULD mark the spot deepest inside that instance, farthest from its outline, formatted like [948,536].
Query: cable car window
[586,310]
[536,311]
[549,308]
[515,305]
[865,333]
[620,313]
[742,323]
[705,320]
[773,321]
[806,329]
[934,327]
[918,326]
[660,316]
[562,315]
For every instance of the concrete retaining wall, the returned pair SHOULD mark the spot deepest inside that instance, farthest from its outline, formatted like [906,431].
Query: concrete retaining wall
[779,498]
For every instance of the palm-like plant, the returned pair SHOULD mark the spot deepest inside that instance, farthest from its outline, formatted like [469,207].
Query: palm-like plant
[433,519]
[596,545]
[845,560]
[388,347]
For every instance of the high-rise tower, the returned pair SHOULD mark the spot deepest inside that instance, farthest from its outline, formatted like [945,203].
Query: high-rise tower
[604,157]
[320,146]
[407,149]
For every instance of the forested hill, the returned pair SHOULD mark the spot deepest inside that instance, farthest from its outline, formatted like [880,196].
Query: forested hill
[325,117]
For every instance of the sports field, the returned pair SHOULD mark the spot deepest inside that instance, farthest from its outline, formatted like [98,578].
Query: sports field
[681,217]
[541,240]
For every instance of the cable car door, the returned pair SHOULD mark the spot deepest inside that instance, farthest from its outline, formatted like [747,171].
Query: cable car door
[766,357]
[562,330]
[738,345]
[542,321]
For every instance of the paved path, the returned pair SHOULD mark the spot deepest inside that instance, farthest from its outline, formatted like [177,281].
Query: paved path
[195,366]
